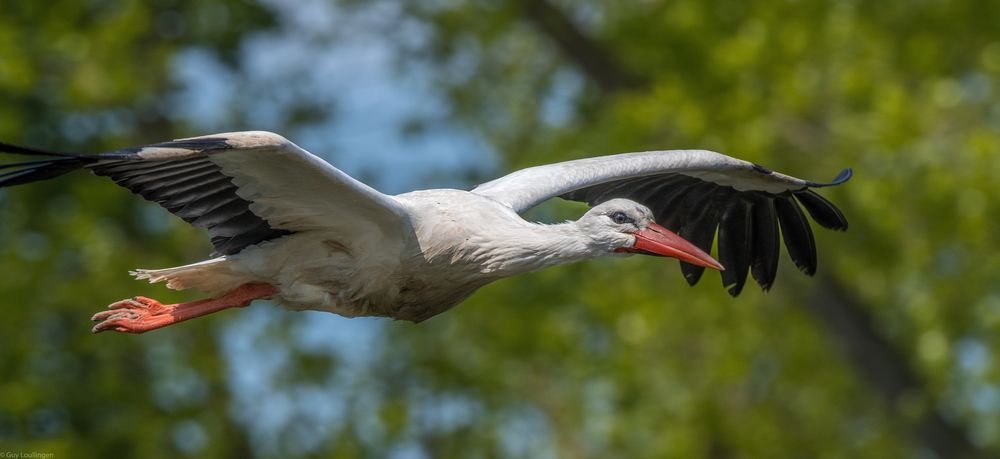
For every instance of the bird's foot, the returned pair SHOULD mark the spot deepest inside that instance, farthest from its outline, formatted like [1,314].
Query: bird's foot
[141,314]
[134,315]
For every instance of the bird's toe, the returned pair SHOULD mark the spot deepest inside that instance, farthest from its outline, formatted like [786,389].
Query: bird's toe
[104,315]
[114,321]
[129,321]
[136,302]
[133,315]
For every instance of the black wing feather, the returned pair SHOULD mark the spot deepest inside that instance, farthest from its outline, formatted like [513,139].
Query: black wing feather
[33,171]
[185,182]
[700,231]
[822,211]
[198,192]
[220,189]
[749,224]
[674,216]
[797,234]
[765,249]
[734,244]
[158,178]
[201,205]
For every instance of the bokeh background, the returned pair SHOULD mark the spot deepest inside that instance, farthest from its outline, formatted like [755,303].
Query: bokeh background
[890,351]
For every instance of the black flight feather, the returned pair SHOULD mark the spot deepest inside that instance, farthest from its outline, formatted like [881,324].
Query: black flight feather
[821,210]
[765,250]
[188,184]
[798,235]
[734,244]
[700,231]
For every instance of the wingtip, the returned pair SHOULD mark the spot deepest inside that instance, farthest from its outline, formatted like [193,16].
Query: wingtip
[842,177]
[10,148]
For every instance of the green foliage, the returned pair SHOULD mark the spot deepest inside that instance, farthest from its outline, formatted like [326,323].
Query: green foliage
[612,358]
[71,69]
[904,93]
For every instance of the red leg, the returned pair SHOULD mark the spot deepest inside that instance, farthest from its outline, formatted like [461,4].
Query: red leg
[141,314]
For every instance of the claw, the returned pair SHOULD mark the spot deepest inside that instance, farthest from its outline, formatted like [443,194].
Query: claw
[129,303]
[133,315]
[139,302]
[103,315]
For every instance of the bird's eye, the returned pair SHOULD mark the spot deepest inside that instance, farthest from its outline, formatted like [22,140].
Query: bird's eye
[620,218]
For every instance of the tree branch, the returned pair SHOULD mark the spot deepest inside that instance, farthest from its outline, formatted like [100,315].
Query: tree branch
[593,60]
[886,369]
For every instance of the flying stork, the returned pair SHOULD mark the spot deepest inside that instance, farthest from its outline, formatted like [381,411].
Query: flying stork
[288,226]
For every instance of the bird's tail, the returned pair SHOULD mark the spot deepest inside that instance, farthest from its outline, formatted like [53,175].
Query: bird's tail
[54,165]
[215,276]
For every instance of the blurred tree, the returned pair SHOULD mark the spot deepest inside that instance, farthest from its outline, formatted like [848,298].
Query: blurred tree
[802,87]
[93,75]
[884,366]
[612,358]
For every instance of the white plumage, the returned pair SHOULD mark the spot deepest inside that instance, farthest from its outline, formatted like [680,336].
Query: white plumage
[289,226]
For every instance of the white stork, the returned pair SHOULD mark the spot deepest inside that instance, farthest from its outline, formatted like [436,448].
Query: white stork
[287,225]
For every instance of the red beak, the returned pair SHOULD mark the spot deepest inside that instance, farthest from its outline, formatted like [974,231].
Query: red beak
[657,240]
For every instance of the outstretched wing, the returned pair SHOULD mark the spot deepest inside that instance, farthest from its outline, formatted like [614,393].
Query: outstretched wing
[694,193]
[243,187]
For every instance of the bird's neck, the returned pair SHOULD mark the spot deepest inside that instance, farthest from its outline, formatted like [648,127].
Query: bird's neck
[532,247]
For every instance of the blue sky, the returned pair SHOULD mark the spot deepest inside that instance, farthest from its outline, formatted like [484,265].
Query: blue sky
[351,71]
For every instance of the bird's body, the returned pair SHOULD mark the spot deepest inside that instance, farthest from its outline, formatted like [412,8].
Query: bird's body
[288,226]
[446,261]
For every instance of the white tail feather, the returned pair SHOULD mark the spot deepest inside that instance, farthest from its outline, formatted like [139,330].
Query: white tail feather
[213,276]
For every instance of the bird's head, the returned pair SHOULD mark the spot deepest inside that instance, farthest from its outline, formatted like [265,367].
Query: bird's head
[622,226]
